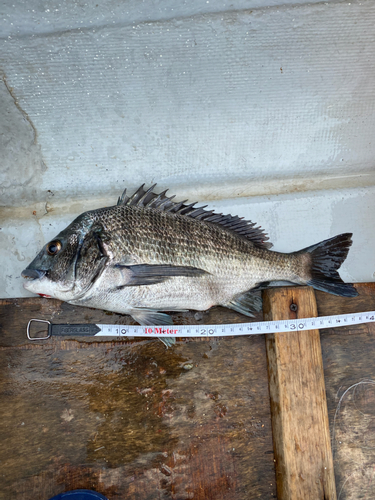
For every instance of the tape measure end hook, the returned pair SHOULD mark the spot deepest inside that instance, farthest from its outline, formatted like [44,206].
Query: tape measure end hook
[49,332]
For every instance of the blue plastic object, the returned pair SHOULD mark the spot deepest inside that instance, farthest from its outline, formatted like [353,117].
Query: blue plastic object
[80,495]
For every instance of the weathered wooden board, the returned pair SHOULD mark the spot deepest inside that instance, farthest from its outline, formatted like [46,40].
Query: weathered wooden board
[131,419]
[349,368]
[304,465]
[168,420]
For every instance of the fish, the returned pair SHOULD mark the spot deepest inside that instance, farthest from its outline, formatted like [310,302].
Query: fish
[149,255]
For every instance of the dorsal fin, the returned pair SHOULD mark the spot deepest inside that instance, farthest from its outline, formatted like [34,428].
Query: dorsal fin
[147,198]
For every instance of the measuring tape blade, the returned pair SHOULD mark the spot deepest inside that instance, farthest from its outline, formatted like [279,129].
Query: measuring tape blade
[254,328]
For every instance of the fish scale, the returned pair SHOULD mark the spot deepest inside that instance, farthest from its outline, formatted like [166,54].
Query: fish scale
[175,237]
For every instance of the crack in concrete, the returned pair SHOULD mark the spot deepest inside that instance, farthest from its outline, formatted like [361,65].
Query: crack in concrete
[16,103]
[23,113]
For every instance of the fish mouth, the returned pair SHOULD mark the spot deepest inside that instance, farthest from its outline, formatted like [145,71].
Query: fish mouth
[33,274]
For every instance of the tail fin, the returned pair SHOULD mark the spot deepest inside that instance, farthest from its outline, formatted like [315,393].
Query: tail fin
[326,258]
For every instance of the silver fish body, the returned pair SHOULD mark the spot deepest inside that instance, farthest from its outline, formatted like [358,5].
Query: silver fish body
[148,254]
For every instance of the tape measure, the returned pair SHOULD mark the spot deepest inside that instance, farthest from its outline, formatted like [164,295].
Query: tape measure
[254,328]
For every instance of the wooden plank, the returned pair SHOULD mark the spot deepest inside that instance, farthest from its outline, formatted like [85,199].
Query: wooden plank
[304,465]
[132,419]
[43,385]
[349,370]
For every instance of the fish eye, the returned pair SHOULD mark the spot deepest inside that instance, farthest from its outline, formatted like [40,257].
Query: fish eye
[54,247]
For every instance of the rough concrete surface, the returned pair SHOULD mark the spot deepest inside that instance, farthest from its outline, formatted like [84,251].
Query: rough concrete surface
[265,111]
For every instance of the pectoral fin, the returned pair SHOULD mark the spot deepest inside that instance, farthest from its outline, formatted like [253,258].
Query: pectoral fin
[153,317]
[150,274]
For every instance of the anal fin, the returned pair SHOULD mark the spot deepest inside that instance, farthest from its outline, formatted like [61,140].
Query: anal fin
[151,317]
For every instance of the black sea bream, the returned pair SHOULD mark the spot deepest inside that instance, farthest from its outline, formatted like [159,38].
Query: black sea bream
[149,254]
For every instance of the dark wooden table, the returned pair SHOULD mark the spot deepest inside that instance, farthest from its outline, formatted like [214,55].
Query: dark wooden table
[133,420]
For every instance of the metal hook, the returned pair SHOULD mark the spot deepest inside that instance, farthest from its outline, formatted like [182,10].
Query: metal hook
[38,321]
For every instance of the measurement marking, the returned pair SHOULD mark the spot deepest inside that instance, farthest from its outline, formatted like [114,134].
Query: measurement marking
[260,327]
[254,328]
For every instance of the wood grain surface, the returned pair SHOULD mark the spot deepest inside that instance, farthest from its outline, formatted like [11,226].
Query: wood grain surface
[304,465]
[130,419]
[349,370]
[134,421]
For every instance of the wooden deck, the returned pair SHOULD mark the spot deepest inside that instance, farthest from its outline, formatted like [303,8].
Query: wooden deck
[133,420]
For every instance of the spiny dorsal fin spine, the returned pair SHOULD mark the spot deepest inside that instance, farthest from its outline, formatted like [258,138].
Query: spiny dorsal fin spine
[197,211]
[158,200]
[122,198]
[133,200]
[187,209]
[205,215]
[165,203]
[143,199]
[178,206]
[149,199]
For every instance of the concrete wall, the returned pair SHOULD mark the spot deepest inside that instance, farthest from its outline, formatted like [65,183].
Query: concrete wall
[265,111]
